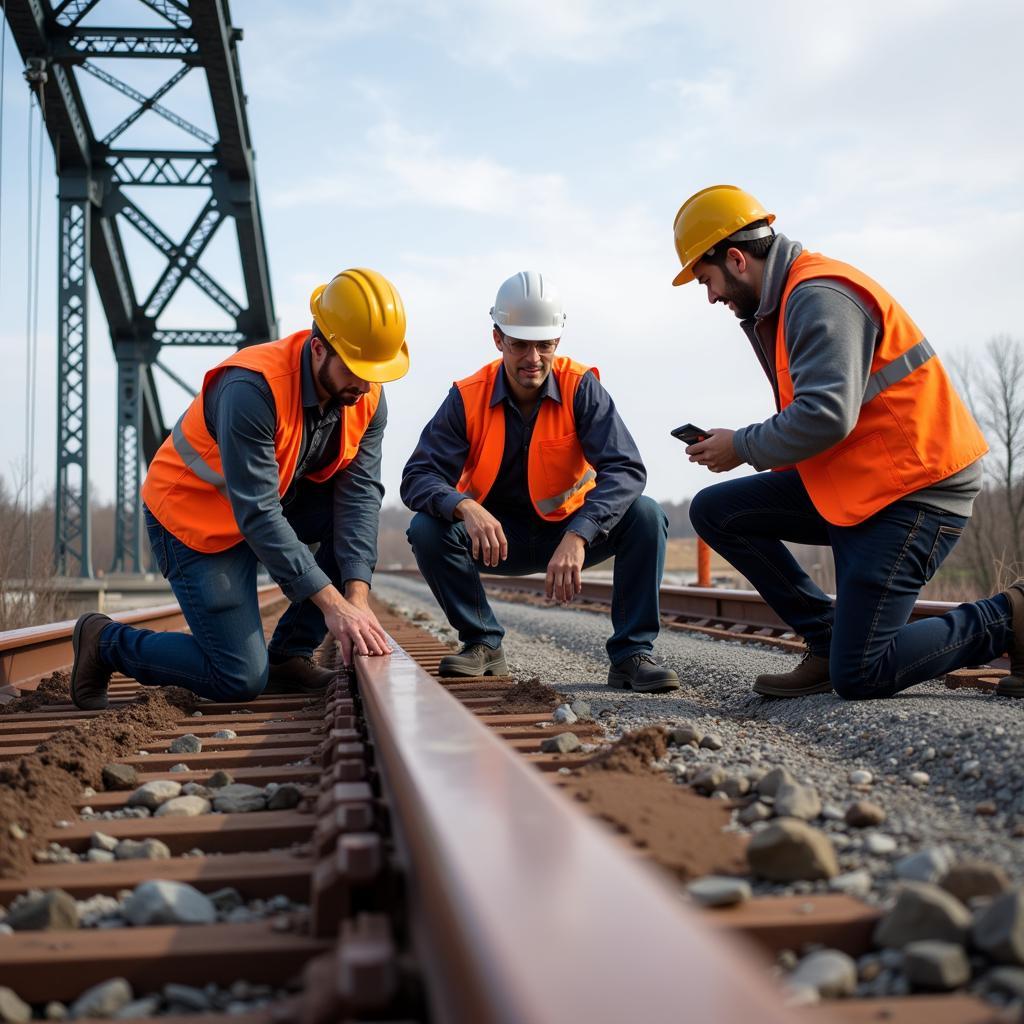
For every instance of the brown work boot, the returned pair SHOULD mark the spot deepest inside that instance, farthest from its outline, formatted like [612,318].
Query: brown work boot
[89,676]
[474,660]
[1013,684]
[298,675]
[810,676]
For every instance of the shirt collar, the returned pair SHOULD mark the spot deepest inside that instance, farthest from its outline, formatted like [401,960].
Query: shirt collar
[776,271]
[549,389]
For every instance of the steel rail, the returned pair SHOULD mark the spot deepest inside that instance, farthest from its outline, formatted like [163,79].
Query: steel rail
[523,910]
[26,655]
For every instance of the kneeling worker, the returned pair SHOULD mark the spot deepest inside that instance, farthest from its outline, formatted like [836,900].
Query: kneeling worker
[876,456]
[527,467]
[280,449]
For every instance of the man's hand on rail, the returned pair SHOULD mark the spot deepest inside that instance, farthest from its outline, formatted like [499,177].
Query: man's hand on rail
[352,623]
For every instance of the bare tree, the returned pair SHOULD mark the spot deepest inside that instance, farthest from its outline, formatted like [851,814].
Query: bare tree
[993,387]
[29,594]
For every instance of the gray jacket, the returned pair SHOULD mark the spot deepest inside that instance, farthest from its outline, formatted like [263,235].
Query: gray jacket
[831,333]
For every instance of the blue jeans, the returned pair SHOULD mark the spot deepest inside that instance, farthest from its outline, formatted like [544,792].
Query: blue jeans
[225,658]
[881,566]
[444,555]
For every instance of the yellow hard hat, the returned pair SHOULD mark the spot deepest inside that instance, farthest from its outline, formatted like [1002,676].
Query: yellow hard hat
[361,315]
[709,216]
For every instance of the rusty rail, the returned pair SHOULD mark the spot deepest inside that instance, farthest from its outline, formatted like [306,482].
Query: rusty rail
[26,655]
[523,909]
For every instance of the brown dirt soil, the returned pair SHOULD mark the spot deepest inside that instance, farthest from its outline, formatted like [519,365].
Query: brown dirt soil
[54,689]
[38,790]
[678,829]
[529,697]
[633,753]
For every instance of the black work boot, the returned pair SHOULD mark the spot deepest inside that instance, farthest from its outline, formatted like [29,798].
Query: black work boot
[1013,684]
[810,676]
[474,660]
[642,674]
[89,676]
[299,674]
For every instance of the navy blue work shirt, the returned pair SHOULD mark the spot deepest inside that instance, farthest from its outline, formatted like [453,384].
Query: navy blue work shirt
[241,416]
[433,470]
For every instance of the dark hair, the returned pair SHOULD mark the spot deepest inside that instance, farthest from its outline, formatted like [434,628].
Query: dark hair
[758,248]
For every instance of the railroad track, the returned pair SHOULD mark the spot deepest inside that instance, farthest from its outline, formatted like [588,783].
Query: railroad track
[429,872]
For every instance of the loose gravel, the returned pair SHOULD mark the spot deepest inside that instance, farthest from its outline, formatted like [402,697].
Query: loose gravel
[945,766]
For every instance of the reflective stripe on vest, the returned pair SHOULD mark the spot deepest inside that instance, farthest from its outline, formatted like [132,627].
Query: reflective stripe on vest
[902,366]
[194,461]
[549,505]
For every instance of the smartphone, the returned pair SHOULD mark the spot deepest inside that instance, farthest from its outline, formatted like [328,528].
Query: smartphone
[689,434]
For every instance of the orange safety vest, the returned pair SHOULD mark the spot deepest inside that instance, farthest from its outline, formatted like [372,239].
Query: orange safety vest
[185,487]
[913,429]
[557,471]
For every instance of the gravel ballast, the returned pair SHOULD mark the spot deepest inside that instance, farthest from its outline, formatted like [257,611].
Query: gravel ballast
[969,744]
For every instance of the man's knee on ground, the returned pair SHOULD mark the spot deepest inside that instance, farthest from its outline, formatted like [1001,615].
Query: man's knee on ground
[243,683]
[854,683]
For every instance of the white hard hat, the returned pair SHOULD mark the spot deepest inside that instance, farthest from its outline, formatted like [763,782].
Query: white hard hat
[529,307]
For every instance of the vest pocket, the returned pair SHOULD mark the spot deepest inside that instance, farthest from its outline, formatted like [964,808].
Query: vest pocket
[865,468]
[561,464]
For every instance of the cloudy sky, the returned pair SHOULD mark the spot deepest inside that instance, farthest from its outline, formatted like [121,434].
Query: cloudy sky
[451,143]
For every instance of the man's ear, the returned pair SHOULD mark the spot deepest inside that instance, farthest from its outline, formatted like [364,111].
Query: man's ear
[738,259]
[497,335]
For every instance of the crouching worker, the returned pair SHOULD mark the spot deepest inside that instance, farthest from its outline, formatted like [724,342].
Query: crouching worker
[527,467]
[280,449]
[876,455]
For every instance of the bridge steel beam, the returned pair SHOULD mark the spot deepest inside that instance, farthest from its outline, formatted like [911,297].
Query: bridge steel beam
[93,172]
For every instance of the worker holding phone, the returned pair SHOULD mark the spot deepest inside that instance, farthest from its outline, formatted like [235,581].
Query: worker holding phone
[527,467]
[874,452]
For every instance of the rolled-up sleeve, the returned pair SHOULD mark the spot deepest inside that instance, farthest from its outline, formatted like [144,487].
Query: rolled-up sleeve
[433,469]
[611,450]
[358,493]
[245,423]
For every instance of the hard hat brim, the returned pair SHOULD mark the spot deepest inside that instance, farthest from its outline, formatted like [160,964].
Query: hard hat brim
[549,333]
[684,276]
[379,372]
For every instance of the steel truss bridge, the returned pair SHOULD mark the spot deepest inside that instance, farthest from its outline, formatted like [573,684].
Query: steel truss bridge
[93,173]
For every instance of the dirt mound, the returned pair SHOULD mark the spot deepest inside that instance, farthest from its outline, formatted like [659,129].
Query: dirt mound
[54,689]
[634,753]
[528,697]
[38,790]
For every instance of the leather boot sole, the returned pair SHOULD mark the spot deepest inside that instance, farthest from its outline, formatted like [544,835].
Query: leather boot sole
[87,702]
[621,681]
[769,690]
[1010,686]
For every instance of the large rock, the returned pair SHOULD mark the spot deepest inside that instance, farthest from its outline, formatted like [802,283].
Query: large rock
[187,744]
[1008,981]
[998,930]
[864,814]
[719,891]
[183,807]
[119,776]
[707,780]
[163,902]
[793,800]
[926,866]
[936,965]
[146,849]
[972,878]
[152,794]
[13,1009]
[768,784]
[923,911]
[102,1000]
[790,851]
[101,841]
[238,798]
[829,972]
[563,743]
[219,779]
[48,911]
[853,883]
